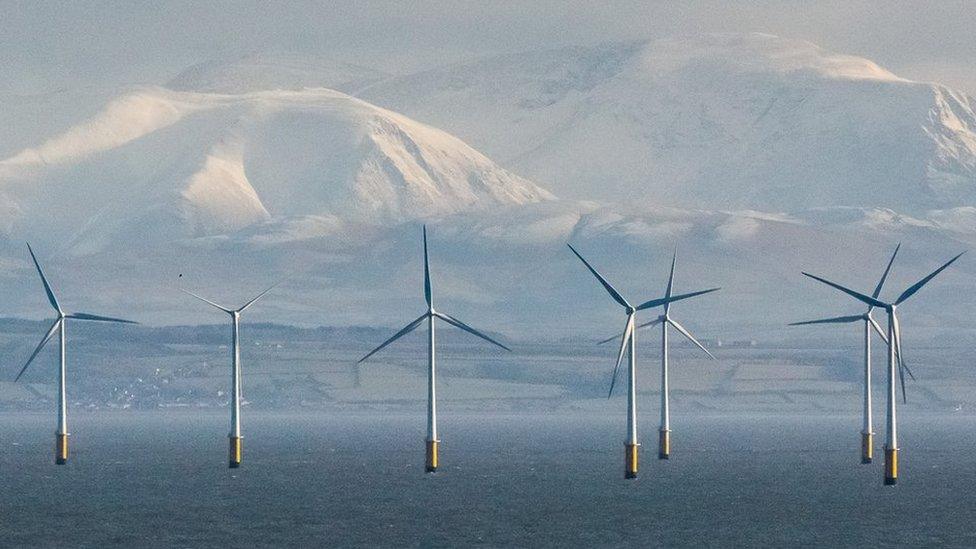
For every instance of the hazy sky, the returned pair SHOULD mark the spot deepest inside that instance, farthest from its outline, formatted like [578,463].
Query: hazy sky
[56,45]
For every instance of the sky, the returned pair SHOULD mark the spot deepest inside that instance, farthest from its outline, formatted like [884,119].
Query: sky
[52,46]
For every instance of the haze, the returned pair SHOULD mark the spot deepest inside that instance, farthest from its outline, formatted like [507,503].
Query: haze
[52,45]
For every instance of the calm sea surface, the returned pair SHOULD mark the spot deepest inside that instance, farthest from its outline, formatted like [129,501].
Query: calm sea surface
[154,480]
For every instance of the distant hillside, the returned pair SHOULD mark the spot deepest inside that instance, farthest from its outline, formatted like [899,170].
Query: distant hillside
[176,165]
[731,121]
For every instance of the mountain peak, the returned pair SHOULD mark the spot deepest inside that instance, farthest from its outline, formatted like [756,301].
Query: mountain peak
[209,164]
[741,121]
[756,52]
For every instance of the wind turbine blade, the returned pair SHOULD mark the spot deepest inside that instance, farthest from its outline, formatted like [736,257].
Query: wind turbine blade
[832,320]
[901,359]
[458,324]
[47,287]
[628,329]
[878,329]
[98,318]
[672,299]
[47,337]
[613,293]
[667,293]
[909,372]
[654,322]
[877,289]
[856,295]
[901,366]
[918,285]
[881,333]
[690,337]
[224,309]
[259,296]
[406,330]
[897,333]
[427,289]
[901,377]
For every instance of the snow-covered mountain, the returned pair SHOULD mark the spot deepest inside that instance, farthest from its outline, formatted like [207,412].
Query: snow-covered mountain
[719,122]
[757,157]
[159,164]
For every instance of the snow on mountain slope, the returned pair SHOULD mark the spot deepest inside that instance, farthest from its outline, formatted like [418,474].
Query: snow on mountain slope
[719,122]
[159,164]
[755,156]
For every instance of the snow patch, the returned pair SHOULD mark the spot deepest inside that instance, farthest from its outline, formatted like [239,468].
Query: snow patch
[173,165]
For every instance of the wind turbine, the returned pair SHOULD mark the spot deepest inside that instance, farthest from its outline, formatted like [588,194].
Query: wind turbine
[628,343]
[236,452]
[61,435]
[894,347]
[429,316]
[867,430]
[664,438]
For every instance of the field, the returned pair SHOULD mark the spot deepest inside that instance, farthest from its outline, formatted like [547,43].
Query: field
[294,368]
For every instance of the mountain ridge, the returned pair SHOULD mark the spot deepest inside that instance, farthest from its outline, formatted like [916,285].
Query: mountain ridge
[719,121]
[498,241]
[199,164]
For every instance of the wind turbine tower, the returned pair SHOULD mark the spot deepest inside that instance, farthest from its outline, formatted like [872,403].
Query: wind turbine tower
[60,323]
[628,344]
[867,427]
[665,320]
[894,353]
[236,451]
[431,442]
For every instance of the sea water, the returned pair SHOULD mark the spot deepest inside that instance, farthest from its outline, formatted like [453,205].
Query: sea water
[544,480]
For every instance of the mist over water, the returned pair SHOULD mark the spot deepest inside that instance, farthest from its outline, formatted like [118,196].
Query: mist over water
[140,479]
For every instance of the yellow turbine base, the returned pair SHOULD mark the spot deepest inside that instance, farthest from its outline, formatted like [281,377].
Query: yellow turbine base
[236,452]
[431,462]
[630,460]
[867,447]
[61,448]
[891,466]
[664,444]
